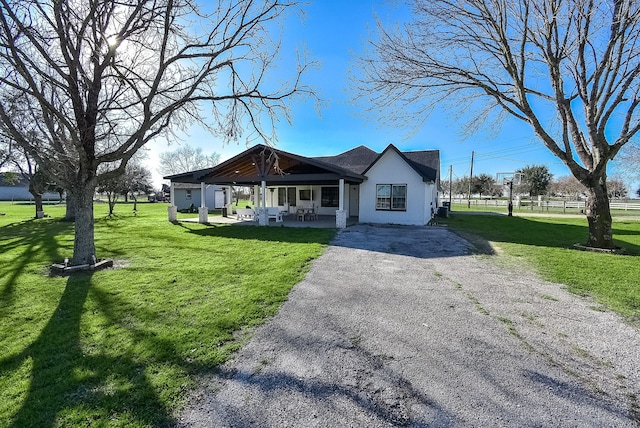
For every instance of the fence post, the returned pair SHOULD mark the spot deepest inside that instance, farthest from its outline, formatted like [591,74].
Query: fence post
[564,206]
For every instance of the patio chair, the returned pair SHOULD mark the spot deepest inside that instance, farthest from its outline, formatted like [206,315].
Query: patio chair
[313,214]
[300,214]
[274,213]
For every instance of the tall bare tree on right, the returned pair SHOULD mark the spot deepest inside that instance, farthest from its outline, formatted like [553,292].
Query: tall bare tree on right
[568,68]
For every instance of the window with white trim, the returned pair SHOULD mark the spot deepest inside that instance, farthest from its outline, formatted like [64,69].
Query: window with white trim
[391,197]
[329,197]
[188,195]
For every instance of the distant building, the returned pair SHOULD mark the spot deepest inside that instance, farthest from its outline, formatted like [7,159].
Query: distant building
[19,191]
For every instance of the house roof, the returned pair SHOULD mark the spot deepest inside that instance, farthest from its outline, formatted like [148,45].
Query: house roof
[424,162]
[356,160]
[178,185]
[262,162]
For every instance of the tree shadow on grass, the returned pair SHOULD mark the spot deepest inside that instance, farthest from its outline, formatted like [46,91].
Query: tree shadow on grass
[30,241]
[520,230]
[65,380]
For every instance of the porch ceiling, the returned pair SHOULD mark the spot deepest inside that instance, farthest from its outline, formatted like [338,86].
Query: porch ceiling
[273,166]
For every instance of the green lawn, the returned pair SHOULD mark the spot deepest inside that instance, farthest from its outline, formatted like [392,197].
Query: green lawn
[546,245]
[122,347]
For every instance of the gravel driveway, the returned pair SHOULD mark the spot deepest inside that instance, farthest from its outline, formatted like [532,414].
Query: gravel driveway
[403,326]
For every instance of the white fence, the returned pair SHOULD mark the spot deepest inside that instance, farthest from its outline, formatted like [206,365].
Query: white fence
[540,205]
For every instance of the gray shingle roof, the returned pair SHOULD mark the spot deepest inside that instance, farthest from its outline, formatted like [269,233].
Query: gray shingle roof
[358,160]
[426,161]
[355,160]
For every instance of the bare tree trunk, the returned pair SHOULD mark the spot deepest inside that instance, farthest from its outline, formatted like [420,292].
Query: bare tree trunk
[37,198]
[84,249]
[599,215]
[112,197]
[70,214]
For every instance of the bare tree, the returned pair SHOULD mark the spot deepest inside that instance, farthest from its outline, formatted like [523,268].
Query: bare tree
[628,161]
[567,186]
[136,178]
[186,158]
[568,68]
[617,189]
[100,79]
[6,150]
[31,172]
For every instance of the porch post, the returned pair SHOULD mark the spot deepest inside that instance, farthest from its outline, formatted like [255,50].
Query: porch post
[228,201]
[263,220]
[172,210]
[256,196]
[203,212]
[341,213]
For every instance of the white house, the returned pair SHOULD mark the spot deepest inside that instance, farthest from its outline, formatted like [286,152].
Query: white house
[399,190]
[390,187]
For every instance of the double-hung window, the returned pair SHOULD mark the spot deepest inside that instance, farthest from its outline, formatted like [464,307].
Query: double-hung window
[391,197]
[329,197]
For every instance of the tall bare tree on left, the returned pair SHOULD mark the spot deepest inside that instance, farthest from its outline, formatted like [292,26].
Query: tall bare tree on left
[100,79]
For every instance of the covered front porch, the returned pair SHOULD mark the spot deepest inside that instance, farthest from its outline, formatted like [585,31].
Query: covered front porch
[283,185]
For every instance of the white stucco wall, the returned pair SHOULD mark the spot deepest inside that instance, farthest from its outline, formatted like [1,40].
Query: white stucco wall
[431,200]
[182,202]
[392,169]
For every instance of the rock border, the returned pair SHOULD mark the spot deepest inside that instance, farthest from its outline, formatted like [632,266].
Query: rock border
[65,269]
[617,250]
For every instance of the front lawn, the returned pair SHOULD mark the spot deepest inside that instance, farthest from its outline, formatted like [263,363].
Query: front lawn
[546,245]
[122,347]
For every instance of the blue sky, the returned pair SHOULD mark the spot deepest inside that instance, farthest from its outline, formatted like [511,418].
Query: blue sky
[333,31]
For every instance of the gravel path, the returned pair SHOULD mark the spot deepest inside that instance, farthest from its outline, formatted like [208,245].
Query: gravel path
[402,326]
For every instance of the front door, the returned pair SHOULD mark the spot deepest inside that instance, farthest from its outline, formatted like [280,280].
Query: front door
[354,201]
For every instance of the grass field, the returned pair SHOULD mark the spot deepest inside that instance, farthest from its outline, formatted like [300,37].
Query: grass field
[121,347]
[545,244]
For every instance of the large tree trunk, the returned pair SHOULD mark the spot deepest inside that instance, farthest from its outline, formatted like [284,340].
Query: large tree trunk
[599,215]
[84,250]
[70,213]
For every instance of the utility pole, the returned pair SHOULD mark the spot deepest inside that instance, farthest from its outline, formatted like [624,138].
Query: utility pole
[470,179]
